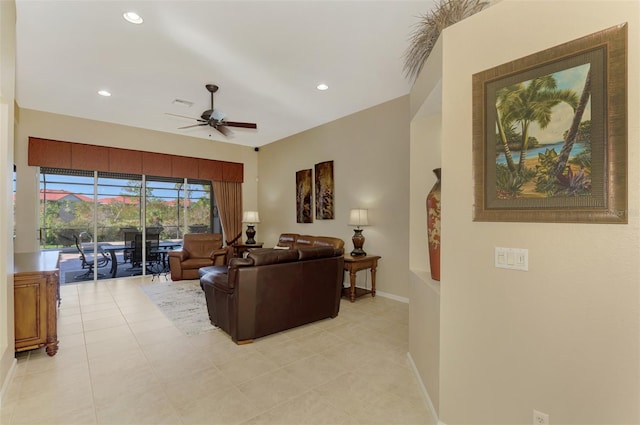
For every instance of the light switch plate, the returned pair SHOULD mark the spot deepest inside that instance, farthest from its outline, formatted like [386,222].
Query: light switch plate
[512,258]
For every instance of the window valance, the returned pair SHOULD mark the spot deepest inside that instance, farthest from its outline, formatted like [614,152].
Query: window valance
[79,156]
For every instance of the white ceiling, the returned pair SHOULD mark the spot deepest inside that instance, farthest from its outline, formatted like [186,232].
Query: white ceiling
[266,56]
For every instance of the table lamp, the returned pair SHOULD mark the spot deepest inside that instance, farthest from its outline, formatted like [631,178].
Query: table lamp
[358,217]
[251,218]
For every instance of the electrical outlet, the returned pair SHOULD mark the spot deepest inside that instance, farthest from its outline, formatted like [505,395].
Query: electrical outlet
[540,418]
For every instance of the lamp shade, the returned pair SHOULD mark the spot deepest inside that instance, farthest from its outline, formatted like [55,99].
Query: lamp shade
[358,217]
[250,217]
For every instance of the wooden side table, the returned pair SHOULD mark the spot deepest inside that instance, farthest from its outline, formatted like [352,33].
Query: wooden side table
[240,248]
[352,265]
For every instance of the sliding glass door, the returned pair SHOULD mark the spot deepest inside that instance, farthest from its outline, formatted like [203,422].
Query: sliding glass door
[105,211]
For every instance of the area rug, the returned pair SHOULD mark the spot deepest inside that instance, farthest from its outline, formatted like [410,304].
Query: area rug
[183,303]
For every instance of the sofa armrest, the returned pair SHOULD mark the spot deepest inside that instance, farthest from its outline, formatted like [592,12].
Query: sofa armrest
[180,255]
[219,256]
[218,252]
[240,262]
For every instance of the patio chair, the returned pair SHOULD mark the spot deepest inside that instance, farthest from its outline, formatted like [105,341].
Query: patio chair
[152,251]
[129,242]
[89,261]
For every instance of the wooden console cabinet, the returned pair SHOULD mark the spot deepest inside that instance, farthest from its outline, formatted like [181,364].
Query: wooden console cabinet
[36,288]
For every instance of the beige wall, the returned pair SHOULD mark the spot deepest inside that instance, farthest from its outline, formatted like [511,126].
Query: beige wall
[69,129]
[424,306]
[7,96]
[370,151]
[563,337]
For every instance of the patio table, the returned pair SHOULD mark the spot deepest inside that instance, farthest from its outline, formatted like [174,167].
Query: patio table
[113,249]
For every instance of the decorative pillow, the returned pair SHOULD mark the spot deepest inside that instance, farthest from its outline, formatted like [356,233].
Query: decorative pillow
[280,247]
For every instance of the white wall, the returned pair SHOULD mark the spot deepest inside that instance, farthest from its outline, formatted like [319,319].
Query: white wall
[563,337]
[370,153]
[7,96]
[69,129]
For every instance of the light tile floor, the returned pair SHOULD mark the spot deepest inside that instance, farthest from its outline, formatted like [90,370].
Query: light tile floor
[121,361]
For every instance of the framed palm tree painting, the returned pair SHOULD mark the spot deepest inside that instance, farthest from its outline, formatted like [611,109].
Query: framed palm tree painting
[324,190]
[550,134]
[303,196]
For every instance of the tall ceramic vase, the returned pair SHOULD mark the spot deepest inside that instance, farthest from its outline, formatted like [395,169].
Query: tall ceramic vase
[433,226]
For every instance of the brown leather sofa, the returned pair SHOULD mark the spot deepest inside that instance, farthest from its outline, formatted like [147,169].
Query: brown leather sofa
[198,250]
[273,290]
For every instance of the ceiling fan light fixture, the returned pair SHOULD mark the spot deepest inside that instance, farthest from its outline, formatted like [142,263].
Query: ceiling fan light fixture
[104,93]
[215,118]
[218,115]
[322,87]
[133,17]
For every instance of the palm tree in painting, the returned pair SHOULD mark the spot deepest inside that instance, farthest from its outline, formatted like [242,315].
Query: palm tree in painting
[522,104]
[570,137]
[503,121]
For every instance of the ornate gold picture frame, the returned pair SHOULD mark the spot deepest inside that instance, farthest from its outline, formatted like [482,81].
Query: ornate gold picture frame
[550,134]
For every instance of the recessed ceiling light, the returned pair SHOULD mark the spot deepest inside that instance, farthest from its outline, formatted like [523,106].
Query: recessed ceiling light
[132,17]
[322,86]
[104,93]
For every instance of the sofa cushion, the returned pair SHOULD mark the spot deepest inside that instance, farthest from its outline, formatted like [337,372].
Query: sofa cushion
[196,263]
[273,256]
[212,269]
[316,252]
[294,240]
[287,240]
[202,244]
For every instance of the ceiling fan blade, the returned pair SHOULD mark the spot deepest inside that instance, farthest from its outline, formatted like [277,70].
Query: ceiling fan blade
[240,124]
[215,118]
[194,125]
[182,116]
[222,129]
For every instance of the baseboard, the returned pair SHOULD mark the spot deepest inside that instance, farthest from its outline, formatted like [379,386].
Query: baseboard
[7,381]
[391,296]
[425,393]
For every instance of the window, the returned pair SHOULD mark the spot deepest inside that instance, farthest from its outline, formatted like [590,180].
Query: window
[66,206]
[175,206]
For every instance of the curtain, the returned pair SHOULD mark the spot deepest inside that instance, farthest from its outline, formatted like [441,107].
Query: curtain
[229,199]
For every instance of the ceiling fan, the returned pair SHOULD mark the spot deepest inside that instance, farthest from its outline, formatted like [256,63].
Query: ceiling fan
[216,118]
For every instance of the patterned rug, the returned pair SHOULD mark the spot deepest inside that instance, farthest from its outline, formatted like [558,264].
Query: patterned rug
[183,303]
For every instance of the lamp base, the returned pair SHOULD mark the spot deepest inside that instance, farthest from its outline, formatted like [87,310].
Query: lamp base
[251,232]
[358,242]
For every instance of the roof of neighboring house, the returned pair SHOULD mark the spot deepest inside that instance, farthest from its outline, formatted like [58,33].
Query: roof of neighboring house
[173,202]
[63,195]
[119,198]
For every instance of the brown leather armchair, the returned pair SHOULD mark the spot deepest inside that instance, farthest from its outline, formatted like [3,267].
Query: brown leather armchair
[198,250]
